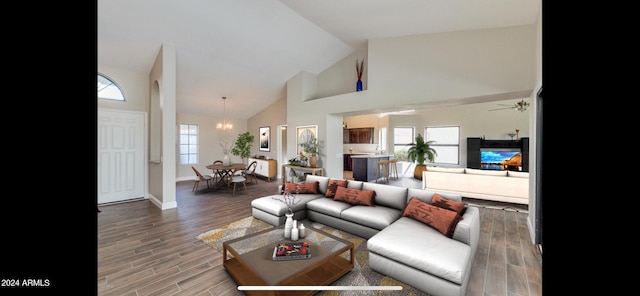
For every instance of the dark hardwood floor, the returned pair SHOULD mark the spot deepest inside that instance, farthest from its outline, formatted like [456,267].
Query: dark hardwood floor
[143,250]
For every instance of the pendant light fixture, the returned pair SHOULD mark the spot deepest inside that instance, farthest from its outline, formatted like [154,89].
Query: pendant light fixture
[224,125]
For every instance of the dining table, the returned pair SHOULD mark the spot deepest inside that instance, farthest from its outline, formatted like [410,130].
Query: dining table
[222,172]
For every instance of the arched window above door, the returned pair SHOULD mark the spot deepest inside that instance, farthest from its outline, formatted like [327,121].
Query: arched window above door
[108,89]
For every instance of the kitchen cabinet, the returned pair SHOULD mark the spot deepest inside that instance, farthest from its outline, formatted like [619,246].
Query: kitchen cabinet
[265,167]
[346,162]
[362,135]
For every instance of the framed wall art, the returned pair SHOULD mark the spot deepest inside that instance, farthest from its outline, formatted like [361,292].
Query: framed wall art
[303,134]
[265,138]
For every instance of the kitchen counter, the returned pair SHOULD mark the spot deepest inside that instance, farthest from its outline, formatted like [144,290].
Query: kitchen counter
[370,155]
[348,164]
[364,166]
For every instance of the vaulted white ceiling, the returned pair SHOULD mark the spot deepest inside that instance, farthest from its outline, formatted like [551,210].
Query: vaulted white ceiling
[246,50]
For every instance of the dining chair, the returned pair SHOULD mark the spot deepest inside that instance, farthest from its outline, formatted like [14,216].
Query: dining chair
[250,171]
[217,176]
[236,178]
[201,177]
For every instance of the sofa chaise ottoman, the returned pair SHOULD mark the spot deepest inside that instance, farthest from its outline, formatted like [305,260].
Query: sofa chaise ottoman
[423,257]
[271,209]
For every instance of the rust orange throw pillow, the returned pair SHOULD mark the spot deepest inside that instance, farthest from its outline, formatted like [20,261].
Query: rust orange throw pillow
[440,219]
[355,196]
[333,185]
[306,187]
[441,202]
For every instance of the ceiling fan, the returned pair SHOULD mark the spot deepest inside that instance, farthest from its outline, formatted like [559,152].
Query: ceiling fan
[520,106]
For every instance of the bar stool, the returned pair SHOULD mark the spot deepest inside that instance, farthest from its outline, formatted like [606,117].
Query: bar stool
[393,168]
[382,171]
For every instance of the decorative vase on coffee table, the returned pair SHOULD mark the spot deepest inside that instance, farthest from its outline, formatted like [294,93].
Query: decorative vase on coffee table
[294,231]
[302,232]
[288,224]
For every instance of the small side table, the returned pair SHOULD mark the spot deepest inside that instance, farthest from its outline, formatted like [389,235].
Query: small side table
[314,171]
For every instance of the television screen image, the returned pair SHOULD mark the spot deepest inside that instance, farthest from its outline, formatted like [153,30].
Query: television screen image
[501,159]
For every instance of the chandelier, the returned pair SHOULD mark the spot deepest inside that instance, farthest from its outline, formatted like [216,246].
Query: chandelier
[224,125]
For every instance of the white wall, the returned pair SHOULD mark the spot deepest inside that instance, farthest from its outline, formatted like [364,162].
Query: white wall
[209,145]
[272,116]
[417,71]
[162,186]
[436,67]
[533,178]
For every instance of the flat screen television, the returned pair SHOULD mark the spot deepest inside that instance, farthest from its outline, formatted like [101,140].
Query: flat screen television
[501,159]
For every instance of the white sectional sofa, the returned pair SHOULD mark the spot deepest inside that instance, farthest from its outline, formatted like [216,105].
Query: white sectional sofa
[399,246]
[503,186]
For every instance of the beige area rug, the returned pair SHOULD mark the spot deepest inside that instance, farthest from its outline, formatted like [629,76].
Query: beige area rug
[361,275]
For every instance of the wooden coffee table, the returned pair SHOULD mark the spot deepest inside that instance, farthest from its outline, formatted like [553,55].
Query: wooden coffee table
[249,261]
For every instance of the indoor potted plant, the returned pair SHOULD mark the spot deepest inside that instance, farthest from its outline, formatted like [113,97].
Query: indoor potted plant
[311,148]
[242,146]
[421,150]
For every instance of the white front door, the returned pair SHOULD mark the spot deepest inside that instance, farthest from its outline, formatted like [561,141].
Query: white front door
[120,155]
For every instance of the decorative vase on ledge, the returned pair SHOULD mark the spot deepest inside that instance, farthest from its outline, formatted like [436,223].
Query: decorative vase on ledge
[313,161]
[359,71]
